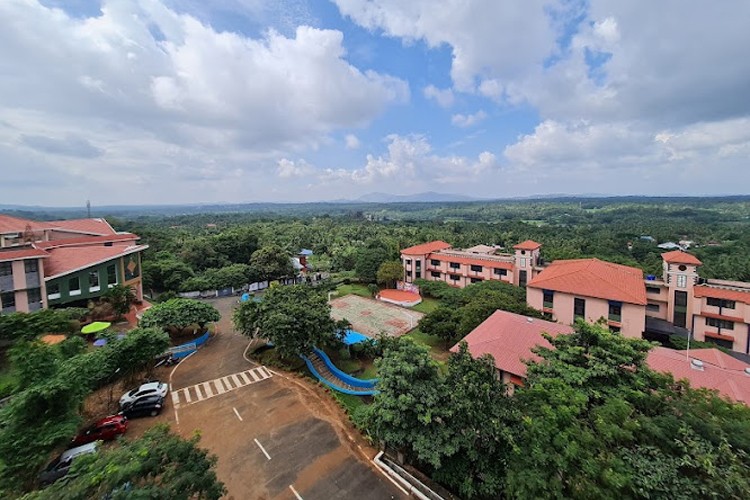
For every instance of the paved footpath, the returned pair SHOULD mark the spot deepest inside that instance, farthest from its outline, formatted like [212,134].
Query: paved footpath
[206,390]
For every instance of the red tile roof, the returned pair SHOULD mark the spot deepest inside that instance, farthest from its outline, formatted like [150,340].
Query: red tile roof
[680,257]
[471,260]
[722,293]
[68,259]
[88,226]
[88,240]
[593,278]
[509,338]
[425,248]
[527,245]
[720,371]
[9,224]
[16,253]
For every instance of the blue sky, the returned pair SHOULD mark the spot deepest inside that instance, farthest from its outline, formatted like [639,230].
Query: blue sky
[186,101]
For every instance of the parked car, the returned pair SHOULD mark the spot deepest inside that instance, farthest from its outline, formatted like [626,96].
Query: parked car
[105,429]
[147,405]
[61,465]
[147,389]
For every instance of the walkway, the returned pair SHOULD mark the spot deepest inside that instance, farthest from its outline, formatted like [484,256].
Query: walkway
[207,390]
[321,370]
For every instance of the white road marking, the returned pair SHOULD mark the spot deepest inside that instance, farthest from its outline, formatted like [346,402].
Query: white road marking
[295,492]
[204,390]
[237,413]
[262,449]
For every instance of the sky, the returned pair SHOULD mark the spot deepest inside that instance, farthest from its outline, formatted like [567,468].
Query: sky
[234,101]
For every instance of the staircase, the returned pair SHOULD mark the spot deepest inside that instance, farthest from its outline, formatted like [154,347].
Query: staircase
[320,368]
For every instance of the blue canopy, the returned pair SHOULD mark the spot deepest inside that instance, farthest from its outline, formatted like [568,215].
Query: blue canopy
[353,337]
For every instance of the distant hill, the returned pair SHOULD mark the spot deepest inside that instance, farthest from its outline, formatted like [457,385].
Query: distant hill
[427,197]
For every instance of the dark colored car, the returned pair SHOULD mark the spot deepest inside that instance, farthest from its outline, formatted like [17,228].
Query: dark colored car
[105,429]
[144,406]
[61,465]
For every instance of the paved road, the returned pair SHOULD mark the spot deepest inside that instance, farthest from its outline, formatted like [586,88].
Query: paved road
[311,456]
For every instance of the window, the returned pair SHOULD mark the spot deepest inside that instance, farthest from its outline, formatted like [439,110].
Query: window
[419,274]
[31,266]
[615,311]
[614,329]
[53,291]
[721,324]
[408,262]
[74,286]
[681,281]
[548,299]
[34,295]
[476,280]
[682,267]
[653,289]
[6,269]
[435,274]
[111,275]
[94,281]
[435,262]
[500,272]
[8,301]
[418,263]
[579,308]
[476,269]
[729,304]
[652,307]
[523,261]
[455,277]
[455,265]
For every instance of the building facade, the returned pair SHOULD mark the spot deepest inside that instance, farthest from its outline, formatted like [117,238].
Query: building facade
[68,262]
[679,301]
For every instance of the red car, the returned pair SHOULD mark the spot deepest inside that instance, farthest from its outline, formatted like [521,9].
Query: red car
[105,429]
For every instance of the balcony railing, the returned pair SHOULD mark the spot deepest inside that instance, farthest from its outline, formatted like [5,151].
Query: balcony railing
[615,317]
[547,305]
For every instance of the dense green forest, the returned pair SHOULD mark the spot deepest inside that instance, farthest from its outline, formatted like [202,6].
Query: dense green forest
[216,248]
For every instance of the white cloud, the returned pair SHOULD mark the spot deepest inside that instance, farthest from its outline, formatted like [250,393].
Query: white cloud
[158,92]
[444,97]
[460,120]
[352,141]
[287,168]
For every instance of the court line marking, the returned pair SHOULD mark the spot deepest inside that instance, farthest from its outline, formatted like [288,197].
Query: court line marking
[237,413]
[262,449]
[295,492]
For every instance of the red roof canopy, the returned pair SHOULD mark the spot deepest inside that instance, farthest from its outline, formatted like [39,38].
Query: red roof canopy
[16,253]
[527,245]
[680,257]
[593,278]
[722,293]
[425,248]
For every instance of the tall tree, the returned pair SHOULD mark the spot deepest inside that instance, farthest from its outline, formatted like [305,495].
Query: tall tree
[295,318]
[236,245]
[368,261]
[389,273]
[158,465]
[121,297]
[271,262]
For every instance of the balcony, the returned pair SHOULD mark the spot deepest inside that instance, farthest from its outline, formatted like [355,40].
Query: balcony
[547,304]
[617,318]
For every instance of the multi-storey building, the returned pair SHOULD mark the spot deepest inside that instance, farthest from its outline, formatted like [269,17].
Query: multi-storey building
[438,261]
[64,262]
[679,302]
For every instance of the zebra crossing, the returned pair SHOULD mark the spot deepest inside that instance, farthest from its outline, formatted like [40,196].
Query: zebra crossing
[206,390]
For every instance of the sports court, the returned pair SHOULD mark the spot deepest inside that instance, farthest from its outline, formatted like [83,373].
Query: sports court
[372,317]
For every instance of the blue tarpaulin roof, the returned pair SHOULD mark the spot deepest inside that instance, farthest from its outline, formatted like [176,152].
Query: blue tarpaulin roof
[305,251]
[353,337]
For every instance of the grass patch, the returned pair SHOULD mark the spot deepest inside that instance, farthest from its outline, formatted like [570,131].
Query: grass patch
[349,402]
[370,371]
[353,289]
[435,344]
[427,305]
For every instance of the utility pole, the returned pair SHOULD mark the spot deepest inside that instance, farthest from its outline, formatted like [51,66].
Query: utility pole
[88,208]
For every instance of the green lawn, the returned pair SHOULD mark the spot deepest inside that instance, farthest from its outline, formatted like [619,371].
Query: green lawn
[426,306]
[353,288]
[436,345]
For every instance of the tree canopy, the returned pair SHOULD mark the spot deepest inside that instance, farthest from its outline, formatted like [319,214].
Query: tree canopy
[158,465]
[295,318]
[390,272]
[271,262]
[178,314]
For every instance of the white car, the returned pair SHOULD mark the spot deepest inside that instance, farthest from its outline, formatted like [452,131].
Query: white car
[148,389]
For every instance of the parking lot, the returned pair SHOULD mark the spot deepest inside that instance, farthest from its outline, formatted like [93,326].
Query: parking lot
[277,437]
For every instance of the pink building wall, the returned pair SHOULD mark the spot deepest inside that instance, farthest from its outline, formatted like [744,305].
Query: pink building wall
[633,317]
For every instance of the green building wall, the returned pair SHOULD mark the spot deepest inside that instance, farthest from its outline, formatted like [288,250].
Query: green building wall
[83,276]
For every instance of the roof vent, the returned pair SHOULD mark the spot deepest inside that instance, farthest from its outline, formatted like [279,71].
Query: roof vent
[747,371]
[696,364]
[530,320]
